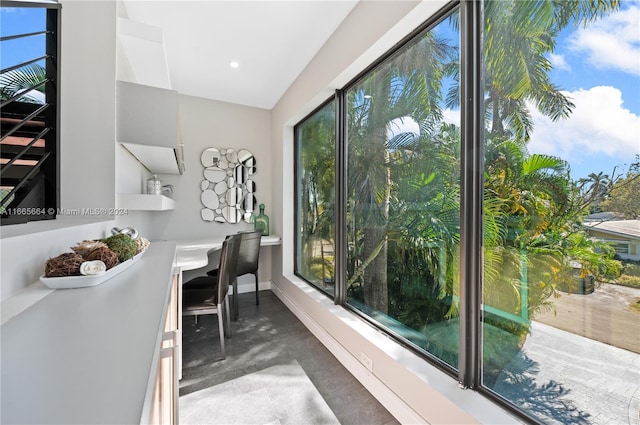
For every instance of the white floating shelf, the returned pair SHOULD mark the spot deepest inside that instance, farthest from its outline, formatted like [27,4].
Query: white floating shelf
[135,201]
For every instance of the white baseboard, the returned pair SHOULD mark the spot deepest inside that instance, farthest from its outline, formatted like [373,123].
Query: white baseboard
[244,287]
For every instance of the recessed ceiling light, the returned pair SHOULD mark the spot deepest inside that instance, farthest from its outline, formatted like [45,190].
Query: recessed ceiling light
[234,64]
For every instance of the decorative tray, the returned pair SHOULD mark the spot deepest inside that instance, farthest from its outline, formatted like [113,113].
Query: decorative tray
[68,282]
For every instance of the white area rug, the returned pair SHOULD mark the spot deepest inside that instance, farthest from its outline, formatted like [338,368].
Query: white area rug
[277,395]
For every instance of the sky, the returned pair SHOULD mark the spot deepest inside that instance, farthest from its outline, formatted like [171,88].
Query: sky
[597,67]
[21,21]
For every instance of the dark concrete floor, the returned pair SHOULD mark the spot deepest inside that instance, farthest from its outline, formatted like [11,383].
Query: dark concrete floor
[269,335]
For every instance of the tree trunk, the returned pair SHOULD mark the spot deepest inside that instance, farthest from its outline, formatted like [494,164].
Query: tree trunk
[376,293]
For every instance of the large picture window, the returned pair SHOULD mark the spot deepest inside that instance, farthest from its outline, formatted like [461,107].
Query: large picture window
[403,209]
[549,329]
[315,189]
[472,230]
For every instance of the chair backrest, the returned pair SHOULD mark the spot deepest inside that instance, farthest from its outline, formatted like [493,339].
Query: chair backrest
[249,252]
[228,264]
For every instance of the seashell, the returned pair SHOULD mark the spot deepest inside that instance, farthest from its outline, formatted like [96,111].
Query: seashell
[89,268]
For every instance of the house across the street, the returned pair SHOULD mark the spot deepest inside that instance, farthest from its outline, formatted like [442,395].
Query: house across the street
[623,235]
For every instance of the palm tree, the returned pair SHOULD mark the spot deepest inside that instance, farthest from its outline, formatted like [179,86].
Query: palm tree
[408,86]
[529,194]
[528,206]
[18,80]
[526,197]
[595,188]
[518,37]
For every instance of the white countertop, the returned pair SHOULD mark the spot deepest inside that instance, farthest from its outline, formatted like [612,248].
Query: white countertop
[194,253]
[88,355]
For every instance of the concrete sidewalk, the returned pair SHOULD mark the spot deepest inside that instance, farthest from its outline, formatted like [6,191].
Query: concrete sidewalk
[564,378]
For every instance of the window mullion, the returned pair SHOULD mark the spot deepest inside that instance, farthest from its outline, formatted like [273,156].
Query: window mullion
[471,193]
[341,199]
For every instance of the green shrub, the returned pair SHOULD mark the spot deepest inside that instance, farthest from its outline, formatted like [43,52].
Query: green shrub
[628,280]
[631,269]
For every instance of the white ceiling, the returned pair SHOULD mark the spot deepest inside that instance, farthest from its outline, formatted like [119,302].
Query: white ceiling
[272,41]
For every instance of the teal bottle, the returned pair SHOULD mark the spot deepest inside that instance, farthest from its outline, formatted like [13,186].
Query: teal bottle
[262,222]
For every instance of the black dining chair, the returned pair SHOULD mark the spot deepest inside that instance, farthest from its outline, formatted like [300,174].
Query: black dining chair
[215,300]
[248,260]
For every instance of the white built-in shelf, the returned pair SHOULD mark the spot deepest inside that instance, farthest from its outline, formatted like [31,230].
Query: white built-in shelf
[136,201]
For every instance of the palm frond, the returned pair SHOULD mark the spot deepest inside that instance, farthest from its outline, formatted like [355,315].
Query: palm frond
[17,80]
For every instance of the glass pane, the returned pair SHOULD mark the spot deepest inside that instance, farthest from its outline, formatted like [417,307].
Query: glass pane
[315,189]
[560,332]
[403,189]
[18,21]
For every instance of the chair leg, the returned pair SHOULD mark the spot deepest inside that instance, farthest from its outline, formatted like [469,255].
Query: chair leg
[221,330]
[235,300]
[257,297]
[226,303]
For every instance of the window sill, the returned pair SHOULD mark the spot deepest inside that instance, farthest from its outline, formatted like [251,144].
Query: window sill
[406,384]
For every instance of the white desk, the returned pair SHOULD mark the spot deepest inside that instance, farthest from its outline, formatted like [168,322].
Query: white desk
[194,253]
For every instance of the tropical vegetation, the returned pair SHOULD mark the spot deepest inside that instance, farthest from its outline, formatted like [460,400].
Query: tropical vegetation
[19,80]
[403,186]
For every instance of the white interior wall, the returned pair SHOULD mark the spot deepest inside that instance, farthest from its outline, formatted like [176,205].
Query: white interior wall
[131,177]
[204,124]
[409,387]
[87,125]
[87,148]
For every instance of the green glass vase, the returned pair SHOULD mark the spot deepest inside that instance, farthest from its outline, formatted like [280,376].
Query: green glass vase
[262,222]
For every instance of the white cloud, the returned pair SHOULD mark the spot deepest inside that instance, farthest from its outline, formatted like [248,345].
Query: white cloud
[559,62]
[612,42]
[451,116]
[402,125]
[598,127]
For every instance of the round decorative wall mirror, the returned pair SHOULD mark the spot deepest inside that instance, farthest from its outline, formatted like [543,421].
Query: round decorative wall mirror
[210,157]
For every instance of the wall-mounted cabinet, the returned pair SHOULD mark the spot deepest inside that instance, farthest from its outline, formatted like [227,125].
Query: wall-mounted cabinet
[147,125]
